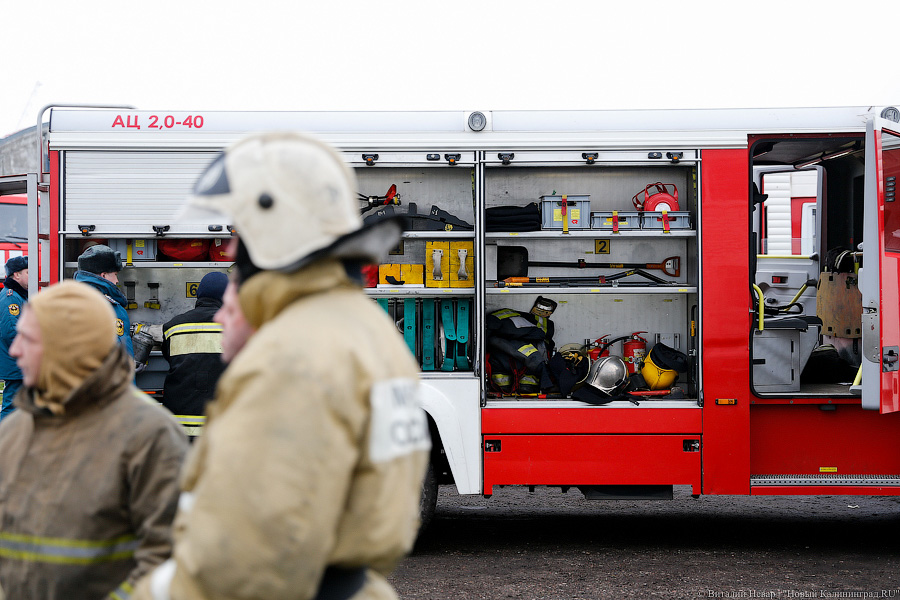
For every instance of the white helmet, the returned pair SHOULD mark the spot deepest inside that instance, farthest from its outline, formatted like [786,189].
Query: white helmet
[292,199]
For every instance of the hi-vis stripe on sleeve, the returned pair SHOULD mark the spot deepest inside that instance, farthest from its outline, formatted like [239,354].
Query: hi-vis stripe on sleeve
[192,425]
[193,328]
[123,592]
[195,338]
[66,551]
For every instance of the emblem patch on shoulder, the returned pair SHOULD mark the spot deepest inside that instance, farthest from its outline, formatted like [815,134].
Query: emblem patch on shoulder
[120,328]
[9,292]
[14,310]
[398,425]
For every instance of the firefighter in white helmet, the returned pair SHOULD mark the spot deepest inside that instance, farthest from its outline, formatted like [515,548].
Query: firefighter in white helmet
[306,481]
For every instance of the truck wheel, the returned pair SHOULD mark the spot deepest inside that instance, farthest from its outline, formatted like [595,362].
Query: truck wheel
[428,501]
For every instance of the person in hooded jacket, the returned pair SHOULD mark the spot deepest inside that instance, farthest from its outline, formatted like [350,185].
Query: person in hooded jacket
[88,466]
[13,297]
[192,344]
[307,479]
[99,267]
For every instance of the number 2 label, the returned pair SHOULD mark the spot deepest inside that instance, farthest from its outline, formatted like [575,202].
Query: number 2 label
[601,246]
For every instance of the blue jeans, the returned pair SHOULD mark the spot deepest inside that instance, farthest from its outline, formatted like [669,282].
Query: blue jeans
[10,387]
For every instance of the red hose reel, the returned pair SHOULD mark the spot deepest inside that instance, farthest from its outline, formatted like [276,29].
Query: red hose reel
[659,200]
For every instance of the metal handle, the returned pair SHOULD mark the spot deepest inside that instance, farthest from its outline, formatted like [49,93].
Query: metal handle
[759,293]
[436,256]
[462,275]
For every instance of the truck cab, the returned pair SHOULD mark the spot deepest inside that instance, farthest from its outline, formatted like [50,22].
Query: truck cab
[13,228]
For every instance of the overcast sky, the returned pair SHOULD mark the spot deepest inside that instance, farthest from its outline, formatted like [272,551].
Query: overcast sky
[443,55]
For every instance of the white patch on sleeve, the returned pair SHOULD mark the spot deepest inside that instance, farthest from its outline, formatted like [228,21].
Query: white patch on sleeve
[161,580]
[399,425]
[186,502]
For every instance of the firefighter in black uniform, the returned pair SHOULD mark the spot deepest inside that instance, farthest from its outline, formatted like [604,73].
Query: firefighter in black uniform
[192,343]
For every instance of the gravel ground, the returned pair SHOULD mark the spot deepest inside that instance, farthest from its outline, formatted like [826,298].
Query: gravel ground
[545,544]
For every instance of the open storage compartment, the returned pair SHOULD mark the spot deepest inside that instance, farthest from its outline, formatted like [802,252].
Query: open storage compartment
[427,284]
[623,283]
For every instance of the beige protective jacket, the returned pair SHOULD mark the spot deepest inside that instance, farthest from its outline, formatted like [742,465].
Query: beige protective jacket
[87,498]
[313,453]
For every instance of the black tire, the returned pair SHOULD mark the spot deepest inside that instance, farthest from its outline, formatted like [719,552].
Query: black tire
[428,500]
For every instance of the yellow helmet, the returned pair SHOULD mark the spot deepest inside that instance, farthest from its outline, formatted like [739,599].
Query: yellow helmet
[661,366]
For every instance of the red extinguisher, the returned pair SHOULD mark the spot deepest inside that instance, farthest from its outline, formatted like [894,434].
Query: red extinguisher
[599,347]
[634,350]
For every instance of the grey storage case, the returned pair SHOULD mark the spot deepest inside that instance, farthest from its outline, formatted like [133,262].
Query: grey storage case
[578,211]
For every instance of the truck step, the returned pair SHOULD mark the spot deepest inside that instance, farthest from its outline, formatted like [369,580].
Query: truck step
[825,479]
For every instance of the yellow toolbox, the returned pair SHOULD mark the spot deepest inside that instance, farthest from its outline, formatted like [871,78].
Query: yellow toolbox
[449,264]
[394,274]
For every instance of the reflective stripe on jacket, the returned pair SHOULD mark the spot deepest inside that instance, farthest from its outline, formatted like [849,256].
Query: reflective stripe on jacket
[192,344]
[194,338]
[66,551]
[192,425]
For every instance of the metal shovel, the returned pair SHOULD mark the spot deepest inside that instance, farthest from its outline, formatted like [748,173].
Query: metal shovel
[512,261]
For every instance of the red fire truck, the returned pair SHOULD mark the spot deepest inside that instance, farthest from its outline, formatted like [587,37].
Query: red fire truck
[761,247]
[13,227]
[20,227]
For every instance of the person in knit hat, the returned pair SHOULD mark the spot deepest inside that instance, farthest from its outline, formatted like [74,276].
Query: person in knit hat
[99,266]
[192,343]
[88,466]
[13,297]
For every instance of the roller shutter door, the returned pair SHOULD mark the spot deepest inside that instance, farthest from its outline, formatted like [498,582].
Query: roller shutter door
[130,192]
